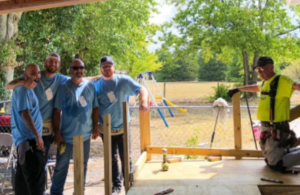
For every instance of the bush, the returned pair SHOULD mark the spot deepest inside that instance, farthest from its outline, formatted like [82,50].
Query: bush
[220,92]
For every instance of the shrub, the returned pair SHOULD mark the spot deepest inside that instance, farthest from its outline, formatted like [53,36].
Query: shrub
[220,92]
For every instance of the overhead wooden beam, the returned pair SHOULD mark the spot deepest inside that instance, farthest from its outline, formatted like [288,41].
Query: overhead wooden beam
[205,151]
[9,6]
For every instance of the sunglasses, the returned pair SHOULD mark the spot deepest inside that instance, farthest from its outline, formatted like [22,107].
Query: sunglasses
[77,67]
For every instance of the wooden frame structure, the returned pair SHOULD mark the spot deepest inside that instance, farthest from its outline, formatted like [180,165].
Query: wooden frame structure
[147,149]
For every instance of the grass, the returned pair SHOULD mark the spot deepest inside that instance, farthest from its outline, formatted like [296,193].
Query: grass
[196,92]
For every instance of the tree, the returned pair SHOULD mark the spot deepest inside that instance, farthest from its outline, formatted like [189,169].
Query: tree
[213,70]
[247,28]
[116,28]
[8,48]
[175,69]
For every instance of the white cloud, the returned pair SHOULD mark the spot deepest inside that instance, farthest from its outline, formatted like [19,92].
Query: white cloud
[166,13]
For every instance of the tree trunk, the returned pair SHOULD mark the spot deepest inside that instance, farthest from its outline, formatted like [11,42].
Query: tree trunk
[253,73]
[8,32]
[246,67]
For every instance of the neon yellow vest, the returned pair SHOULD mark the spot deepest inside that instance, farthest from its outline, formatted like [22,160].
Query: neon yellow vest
[282,100]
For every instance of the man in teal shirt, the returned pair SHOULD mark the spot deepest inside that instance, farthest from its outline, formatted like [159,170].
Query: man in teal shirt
[112,90]
[76,109]
[27,125]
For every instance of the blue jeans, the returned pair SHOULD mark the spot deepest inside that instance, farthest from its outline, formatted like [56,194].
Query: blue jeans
[117,147]
[62,166]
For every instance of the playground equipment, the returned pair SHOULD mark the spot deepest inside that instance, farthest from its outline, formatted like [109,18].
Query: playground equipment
[144,79]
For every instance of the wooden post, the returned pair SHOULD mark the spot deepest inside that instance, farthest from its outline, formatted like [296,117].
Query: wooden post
[107,154]
[145,130]
[237,121]
[78,165]
[126,147]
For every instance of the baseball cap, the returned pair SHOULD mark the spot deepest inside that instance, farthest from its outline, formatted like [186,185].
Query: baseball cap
[262,61]
[106,59]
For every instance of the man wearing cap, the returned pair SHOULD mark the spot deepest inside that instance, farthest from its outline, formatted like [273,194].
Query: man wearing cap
[26,125]
[277,141]
[113,89]
[75,113]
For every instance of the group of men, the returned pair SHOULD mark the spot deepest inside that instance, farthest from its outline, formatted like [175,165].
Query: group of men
[49,107]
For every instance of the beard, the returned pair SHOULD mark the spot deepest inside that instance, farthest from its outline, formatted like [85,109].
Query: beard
[50,69]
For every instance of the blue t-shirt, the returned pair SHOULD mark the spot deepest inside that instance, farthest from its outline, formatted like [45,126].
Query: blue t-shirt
[48,86]
[76,103]
[122,86]
[23,99]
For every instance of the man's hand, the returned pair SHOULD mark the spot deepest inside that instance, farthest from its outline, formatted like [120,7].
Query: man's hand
[39,143]
[58,139]
[29,83]
[95,133]
[143,106]
[231,92]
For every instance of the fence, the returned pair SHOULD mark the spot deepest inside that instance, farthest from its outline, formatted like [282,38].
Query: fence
[194,128]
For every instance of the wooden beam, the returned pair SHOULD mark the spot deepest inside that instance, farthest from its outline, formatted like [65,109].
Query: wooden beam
[237,121]
[40,4]
[145,130]
[139,165]
[78,165]
[126,147]
[107,154]
[205,151]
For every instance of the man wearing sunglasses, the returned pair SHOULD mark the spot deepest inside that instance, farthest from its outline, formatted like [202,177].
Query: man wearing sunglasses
[277,141]
[113,89]
[76,110]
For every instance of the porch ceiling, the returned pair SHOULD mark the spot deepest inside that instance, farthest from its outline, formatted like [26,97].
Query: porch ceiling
[10,6]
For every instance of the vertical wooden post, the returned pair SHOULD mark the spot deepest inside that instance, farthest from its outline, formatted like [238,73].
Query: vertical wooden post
[165,89]
[107,154]
[78,165]
[145,130]
[126,147]
[237,121]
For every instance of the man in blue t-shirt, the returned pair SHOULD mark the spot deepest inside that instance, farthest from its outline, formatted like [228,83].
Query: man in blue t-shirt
[45,89]
[27,125]
[113,89]
[76,109]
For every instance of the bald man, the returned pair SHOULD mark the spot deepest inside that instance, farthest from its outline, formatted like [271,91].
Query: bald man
[76,109]
[27,126]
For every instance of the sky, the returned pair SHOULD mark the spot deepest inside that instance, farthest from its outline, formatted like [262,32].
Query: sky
[167,12]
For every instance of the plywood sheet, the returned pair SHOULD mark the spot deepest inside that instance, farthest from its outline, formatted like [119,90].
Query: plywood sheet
[202,177]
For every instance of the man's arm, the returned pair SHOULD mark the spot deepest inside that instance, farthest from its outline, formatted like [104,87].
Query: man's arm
[296,86]
[247,88]
[55,124]
[30,84]
[27,118]
[95,118]
[144,99]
